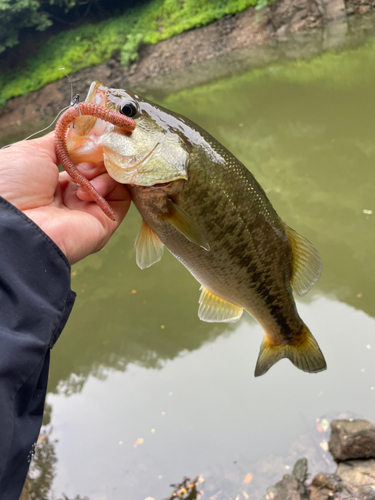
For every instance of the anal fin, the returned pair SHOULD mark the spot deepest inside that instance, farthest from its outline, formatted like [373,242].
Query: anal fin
[149,248]
[214,309]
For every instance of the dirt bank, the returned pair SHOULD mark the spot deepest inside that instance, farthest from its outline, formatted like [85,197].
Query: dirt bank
[286,29]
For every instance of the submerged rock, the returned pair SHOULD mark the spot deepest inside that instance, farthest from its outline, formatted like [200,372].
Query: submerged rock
[352,439]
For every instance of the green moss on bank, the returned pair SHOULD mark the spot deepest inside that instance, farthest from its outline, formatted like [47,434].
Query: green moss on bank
[92,44]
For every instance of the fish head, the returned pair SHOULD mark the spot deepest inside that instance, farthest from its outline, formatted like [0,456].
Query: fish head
[156,152]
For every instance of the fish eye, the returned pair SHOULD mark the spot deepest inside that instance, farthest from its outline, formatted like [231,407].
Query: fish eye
[128,109]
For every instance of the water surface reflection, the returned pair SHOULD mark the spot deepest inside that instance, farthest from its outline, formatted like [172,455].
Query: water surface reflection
[204,413]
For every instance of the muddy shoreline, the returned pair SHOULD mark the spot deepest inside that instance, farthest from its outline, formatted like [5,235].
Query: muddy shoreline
[288,29]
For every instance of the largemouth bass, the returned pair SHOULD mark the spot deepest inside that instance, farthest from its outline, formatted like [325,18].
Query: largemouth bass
[199,201]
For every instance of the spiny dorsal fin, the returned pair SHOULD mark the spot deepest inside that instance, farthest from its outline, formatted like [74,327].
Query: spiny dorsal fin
[185,225]
[304,353]
[214,309]
[149,249]
[307,264]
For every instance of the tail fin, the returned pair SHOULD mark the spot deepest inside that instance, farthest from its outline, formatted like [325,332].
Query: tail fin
[304,353]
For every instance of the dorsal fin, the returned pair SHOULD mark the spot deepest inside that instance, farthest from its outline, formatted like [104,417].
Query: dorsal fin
[307,264]
[181,221]
[149,248]
[214,309]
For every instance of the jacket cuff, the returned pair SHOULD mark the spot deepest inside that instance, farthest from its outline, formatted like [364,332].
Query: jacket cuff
[35,302]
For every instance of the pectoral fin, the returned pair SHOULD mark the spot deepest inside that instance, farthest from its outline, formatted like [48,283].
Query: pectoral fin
[214,309]
[185,225]
[149,248]
[307,264]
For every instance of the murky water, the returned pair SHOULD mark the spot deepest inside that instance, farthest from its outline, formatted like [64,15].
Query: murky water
[142,393]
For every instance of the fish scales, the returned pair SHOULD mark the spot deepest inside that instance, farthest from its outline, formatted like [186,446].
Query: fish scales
[241,226]
[199,201]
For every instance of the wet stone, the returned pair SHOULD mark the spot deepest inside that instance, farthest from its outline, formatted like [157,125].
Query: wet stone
[326,486]
[352,439]
[300,470]
[359,475]
[291,487]
[354,479]
[286,489]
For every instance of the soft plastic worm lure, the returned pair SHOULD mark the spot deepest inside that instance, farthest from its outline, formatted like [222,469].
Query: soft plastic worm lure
[85,109]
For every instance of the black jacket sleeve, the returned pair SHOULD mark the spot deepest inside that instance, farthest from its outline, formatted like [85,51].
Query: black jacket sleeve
[35,302]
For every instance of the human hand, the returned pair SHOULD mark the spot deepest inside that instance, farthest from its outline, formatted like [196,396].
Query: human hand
[30,180]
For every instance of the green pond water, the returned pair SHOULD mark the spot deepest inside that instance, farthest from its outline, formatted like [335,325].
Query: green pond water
[135,363]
